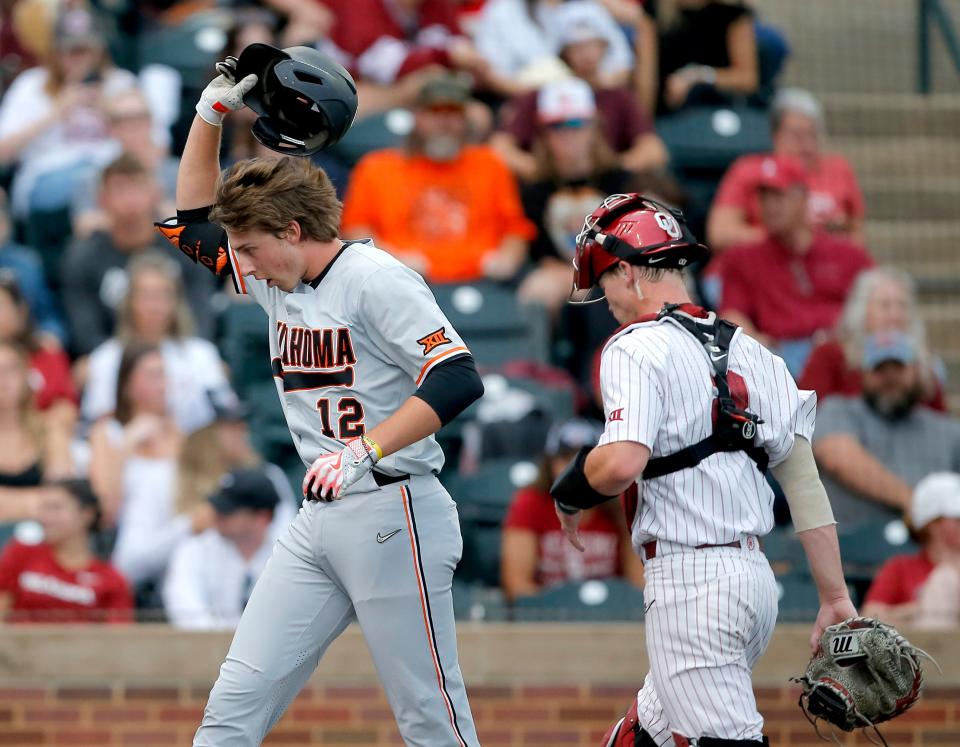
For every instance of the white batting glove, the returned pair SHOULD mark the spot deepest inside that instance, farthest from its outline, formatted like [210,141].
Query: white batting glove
[223,94]
[331,474]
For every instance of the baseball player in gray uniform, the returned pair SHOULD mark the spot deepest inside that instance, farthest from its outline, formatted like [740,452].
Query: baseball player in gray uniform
[367,368]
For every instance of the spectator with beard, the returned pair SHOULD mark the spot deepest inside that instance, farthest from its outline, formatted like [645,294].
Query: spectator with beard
[448,210]
[873,449]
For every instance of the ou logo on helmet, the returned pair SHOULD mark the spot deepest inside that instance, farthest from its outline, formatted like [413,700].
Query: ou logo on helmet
[669,224]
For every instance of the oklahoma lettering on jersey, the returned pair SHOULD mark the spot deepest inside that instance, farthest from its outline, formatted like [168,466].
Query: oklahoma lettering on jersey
[657,385]
[313,358]
[349,348]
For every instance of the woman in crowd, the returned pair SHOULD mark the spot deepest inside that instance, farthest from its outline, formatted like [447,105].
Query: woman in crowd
[155,312]
[133,467]
[60,580]
[835,202]
[34,446]
[51,121]
[694,52]
[520,39]
[50,377]
[882,300]
[573,169]
[535,554]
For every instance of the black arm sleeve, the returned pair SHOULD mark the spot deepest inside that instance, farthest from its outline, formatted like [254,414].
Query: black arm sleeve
[204,242]
[451,387]
[572,489]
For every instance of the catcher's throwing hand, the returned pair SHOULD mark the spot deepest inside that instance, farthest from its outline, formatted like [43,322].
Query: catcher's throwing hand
[830,613]
[333,473]
[570,523]
[224,94]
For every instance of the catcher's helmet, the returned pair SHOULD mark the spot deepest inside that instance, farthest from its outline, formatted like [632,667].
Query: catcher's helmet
[306,100]
[635,229]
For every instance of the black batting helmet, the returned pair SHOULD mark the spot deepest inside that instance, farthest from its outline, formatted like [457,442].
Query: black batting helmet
[306,100]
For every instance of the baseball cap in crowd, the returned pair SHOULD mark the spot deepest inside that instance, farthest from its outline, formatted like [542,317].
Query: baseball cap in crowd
[891,346]
[566,101]
[578,22]
[936,496]
[780,172]
[245,488]
[77,29]
[572,435]
[227,406]
[445,90]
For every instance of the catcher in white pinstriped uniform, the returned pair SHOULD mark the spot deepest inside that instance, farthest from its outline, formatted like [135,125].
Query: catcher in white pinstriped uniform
[696,412]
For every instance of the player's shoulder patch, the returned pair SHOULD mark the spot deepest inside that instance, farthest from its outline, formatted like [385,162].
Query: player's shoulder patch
[436,339]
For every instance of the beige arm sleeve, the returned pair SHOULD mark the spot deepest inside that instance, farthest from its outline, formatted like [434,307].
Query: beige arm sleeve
[798,476]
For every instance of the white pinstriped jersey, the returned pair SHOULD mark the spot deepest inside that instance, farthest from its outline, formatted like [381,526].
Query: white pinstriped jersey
[657,389]
[348,352]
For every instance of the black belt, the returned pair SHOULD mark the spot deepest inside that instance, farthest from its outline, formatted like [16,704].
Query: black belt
[383,480]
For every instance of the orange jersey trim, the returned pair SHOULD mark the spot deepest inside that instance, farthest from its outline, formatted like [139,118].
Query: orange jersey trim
[436,359]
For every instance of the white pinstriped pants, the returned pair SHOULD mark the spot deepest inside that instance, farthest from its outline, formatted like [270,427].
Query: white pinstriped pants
[710,616]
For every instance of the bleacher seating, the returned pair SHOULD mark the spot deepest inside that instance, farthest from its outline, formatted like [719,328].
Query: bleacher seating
[496,328]
[609,600]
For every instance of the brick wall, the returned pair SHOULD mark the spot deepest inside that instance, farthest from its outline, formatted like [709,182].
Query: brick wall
[147,685]
[329,715]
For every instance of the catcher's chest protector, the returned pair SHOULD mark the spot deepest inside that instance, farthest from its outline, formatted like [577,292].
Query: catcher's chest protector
[734,428]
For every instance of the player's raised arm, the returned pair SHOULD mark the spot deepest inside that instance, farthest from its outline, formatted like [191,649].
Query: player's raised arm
[190,230]
[200,163]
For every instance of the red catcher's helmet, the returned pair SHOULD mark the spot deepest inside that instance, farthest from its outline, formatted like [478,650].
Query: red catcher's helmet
[635,229]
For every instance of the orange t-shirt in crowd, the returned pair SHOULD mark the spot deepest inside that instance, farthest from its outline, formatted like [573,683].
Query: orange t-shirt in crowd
[452,212]
[835,196]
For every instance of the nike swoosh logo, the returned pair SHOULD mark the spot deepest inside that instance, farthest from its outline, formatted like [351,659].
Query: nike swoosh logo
[381,538]
[718,357]
[654,261]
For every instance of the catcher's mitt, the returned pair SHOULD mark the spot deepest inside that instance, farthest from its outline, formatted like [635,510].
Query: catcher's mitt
[863,673]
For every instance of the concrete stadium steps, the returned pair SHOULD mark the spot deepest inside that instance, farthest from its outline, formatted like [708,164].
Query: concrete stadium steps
[891,114]
[916,243]
[857,45]
[943,331]
[929,198]
[915,157]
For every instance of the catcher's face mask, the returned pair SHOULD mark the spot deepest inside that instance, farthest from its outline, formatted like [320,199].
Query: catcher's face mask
[635,229]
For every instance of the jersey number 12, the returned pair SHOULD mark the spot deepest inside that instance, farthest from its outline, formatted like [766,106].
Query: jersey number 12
[350,422]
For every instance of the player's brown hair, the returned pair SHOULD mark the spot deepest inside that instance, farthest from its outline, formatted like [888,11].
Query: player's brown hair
[267,194]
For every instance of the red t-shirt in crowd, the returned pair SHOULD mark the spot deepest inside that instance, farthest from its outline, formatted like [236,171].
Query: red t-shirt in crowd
[50,377]
[557,560]
[790,297]
[44,591]
[899,579]
[374,40]
[621,119]
[835,196]
[828,374]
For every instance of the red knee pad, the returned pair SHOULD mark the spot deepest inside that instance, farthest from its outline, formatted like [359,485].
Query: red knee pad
[624,733]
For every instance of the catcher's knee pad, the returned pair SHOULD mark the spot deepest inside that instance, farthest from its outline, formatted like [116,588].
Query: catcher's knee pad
[627,732]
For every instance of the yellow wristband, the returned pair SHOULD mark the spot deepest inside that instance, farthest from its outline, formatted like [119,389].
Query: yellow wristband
[374,446]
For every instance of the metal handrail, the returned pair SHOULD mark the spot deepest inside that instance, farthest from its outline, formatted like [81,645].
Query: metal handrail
[935,11]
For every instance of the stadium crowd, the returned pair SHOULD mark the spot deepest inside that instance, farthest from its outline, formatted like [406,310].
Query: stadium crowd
[144,465]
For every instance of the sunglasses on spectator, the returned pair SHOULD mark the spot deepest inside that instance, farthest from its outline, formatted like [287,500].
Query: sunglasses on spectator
[568,124]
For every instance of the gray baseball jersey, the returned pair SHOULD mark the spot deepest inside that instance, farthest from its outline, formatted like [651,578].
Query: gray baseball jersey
[347,350]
